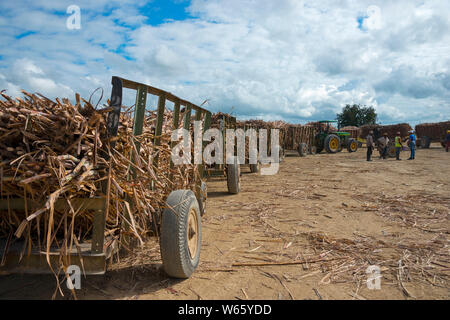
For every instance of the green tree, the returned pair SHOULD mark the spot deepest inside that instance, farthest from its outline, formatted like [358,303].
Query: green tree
[356,115]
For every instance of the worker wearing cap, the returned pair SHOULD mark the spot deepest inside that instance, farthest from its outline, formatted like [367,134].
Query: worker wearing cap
[398,146]
[447,139]
[369,142]
[412,145]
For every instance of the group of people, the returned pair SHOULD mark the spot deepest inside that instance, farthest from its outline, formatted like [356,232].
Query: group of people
[383,145]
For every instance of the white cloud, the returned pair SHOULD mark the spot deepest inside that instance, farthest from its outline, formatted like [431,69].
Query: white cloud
[288,59]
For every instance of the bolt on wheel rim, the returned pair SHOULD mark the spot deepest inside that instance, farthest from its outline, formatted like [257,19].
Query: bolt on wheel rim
[192,233]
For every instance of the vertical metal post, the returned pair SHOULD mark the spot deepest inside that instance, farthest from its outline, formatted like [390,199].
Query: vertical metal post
[176,115]
[159,124]
[200,167]
[138,125]
[98,232]
[187,117]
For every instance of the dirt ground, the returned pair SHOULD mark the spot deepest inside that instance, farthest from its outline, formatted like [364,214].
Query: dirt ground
[330,216]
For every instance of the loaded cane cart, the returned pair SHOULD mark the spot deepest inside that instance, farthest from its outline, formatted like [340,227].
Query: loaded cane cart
[300,139]
[86,183]
[232,172]
[254,167]
[428,133]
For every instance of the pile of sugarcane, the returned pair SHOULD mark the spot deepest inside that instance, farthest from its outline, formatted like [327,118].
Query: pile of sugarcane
[391,130]
[434,131]
[52,150]
[322,126]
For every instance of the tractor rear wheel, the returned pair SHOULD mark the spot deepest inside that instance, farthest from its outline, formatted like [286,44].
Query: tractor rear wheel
[352,145]
[332,143]
[303,149]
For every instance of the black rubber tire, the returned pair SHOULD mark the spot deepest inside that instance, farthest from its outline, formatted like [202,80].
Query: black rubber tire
[319,150]
[234,178]
[312,150]
[425,143]
[352,145]
[177,262]
[303,149]
[203,198]
[255,168]
[391,151]
[282,155]
[327,143]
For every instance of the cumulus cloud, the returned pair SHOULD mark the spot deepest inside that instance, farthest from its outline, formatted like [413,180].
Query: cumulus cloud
[296,60]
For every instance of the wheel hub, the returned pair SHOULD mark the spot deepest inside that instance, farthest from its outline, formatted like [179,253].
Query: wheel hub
[334,144]
[192,233]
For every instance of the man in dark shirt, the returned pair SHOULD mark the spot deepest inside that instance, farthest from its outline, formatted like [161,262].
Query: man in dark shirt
[369,142]
[447,139]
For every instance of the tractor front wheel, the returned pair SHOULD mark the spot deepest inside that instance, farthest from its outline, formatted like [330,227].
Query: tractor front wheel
[352,145]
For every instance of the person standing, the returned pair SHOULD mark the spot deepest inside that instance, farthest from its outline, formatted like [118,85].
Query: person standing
[447,139]
[398,146]
[412,145]
[383,145]
[369,142]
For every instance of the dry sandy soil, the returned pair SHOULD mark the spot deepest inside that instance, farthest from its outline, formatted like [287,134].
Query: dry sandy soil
[331,216]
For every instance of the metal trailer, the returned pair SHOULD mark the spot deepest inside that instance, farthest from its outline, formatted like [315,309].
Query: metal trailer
[180,233]
[299,139]
[231,171]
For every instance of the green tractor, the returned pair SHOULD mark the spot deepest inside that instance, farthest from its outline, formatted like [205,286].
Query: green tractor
[333,141]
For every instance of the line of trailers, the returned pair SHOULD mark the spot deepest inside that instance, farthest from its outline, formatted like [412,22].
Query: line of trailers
[180,233]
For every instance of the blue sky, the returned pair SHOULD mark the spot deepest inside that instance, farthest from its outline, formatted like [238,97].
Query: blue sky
[160,11]
[295,60]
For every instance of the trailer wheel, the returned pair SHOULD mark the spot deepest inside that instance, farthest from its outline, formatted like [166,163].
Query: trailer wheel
[303,149]
[234,178]
[391,151]
[203,197]
[255,168]
[332,143]
[181,234]
[425,143]
[312,150]
[352,145]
